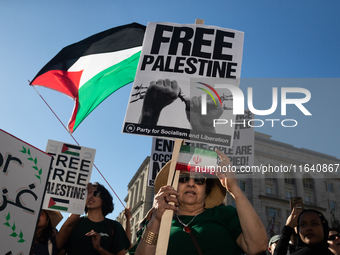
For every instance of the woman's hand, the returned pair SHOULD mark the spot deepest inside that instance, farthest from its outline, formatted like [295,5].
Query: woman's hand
[95,239]
[293,217]
[89,188]
[127,213]
[227,178]
[165,199]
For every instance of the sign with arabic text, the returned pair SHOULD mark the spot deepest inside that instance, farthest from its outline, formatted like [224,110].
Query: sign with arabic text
[24,171]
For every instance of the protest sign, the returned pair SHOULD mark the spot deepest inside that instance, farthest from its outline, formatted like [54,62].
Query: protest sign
[241,154]
[71,170]
[178,68]
[24,172]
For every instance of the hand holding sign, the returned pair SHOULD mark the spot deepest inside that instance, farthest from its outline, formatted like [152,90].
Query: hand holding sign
[227,178]
[159,94]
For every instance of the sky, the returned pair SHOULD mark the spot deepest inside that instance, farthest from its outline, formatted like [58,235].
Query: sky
[283,40]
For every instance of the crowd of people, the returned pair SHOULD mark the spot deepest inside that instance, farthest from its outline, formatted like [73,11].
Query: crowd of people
[201,223]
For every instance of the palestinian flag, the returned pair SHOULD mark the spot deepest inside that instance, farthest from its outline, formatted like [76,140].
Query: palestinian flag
[92,69]
[70,149]
[58,204]
[196,160]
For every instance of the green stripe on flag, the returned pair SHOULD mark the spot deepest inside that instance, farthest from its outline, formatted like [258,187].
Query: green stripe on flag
[197,151]
[71,153]
[61,208]
[102,85]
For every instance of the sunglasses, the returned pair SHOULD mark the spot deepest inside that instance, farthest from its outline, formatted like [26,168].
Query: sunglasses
[333,237]
[96,193]
[198,179]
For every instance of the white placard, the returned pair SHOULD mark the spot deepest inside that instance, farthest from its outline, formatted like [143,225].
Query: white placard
[180,64]
[24,172]
[70,172]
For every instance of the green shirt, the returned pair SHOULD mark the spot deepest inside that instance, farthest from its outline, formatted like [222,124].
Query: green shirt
[79,243]
[215,230]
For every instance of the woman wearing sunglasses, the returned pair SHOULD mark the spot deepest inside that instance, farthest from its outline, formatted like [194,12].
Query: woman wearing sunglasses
[200,225]
[94,234]
[312,233]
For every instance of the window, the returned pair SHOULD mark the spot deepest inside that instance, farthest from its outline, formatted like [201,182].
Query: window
[269,189]
[242,185]
[332,205]
[289,180]
[308,198]
[271,212]
[329,187]
[308,183]
[270,175]
[289,193]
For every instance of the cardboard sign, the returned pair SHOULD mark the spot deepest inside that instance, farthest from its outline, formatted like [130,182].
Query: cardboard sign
[24,172]
[71,170]
[241,154]
[177,72]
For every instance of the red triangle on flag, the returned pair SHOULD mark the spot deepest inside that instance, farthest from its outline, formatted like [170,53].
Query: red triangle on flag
[65,148]
[51,203]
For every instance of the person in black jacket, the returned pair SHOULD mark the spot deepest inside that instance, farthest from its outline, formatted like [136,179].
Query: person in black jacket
[312,230]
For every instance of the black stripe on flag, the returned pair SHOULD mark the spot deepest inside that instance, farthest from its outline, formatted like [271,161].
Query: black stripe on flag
[111,40]
[61,200]
[73,146]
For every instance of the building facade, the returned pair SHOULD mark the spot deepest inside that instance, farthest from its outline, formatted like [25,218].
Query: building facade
[287,172]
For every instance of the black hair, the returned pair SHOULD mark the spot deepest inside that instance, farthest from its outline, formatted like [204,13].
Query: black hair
[107,204]
[47,232]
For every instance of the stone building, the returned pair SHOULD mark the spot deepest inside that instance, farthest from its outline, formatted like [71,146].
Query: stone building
[269,192]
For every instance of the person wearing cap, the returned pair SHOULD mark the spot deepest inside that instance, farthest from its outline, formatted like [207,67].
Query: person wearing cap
[334,240]
[272,243]
[95,234]
[46,241]
[200,225]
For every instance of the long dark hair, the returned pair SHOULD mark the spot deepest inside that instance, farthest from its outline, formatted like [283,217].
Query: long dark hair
[47,232]
[107,205]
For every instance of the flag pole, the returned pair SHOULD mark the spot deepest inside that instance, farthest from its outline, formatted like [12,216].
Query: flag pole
[75,141]
[165,226]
